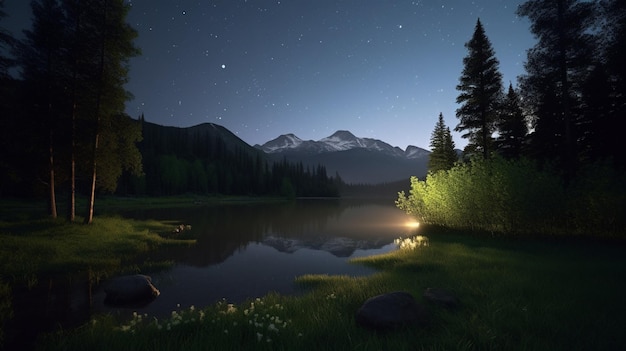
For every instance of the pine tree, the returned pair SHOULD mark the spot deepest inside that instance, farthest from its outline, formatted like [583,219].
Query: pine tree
[74,62]
[442,156]
[556,68]
[511,125]
[42,55]
[481,91]
[111,48]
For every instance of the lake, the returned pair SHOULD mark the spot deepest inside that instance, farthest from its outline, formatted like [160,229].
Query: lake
[243,251]
[248,250]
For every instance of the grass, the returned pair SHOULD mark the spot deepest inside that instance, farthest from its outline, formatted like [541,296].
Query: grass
[515,295]
[34,248]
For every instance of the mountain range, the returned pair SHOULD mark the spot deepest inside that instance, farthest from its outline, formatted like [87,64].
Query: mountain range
[356,160]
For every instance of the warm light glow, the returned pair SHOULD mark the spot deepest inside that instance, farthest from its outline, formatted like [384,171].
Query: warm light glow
[412,224]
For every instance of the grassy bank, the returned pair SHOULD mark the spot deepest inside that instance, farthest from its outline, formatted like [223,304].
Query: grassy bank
[515,295]
[31,249]
[37,250]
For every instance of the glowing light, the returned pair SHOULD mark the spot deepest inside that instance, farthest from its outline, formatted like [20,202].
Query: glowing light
[412,224]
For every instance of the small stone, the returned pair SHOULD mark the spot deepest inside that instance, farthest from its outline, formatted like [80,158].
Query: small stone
[442,297]
[391,311]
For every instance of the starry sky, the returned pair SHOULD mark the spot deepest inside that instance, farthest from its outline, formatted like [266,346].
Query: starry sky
[261,68]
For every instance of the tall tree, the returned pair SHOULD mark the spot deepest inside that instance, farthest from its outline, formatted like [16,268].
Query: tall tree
[442,156]
[556,67]
[42,56]
[104,23]
[511,125]
[480,93]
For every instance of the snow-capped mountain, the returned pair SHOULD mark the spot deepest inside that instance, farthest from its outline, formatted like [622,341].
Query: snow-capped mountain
[341,140]
[356,160]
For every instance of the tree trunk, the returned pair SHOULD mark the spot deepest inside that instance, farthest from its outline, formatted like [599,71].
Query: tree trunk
[72,197]
[53,200]
[92,195]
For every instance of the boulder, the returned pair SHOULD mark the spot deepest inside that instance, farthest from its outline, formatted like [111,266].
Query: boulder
[392,311]
[130,289]
[442,297]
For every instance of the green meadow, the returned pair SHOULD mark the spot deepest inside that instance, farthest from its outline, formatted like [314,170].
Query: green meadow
[515,294]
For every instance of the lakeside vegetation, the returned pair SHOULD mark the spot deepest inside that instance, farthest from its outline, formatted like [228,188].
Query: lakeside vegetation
[518,198]
[36,248]
[515,295]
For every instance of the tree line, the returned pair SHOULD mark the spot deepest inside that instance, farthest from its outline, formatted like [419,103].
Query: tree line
[63,118]
[545,157]
[209,160]
[567,106]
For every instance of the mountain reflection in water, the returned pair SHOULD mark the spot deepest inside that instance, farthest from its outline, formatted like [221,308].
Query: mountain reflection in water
[247,250]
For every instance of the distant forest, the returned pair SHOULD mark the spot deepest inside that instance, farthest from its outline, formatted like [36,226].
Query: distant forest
[209,159]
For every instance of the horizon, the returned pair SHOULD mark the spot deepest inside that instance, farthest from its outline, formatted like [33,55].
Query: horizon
[287,134]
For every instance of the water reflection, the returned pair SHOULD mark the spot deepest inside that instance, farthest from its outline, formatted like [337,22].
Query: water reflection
[247,250]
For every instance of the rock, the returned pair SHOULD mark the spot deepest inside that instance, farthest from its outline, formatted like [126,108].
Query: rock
[392,311]
[442,297]
[130,289]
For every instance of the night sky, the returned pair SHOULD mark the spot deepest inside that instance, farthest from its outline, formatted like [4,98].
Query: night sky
[380,69]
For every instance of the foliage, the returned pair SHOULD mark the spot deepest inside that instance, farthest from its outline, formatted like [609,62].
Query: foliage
[557,69]
[515,197]
[480,93]
[68,111]
[442,156]
[512,127]
[515,295]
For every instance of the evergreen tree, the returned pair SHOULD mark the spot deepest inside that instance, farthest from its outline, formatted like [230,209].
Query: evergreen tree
[42,55]
[511,126]
[108,43]
[442,156]
[74,64]
[556,68]
[481,91]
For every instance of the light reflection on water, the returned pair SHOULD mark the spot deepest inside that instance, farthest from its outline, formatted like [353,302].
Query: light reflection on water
[247,251]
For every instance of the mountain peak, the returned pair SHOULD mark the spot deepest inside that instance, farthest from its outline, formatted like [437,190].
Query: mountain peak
[285,141]
[357,160]
[342,134]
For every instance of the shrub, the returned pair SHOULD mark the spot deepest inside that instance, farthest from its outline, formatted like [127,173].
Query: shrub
[516,197]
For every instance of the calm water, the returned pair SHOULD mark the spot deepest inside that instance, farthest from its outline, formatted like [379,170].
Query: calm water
[243,251]
[247,251]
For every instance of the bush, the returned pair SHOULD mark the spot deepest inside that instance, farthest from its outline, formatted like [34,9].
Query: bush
[516,197]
